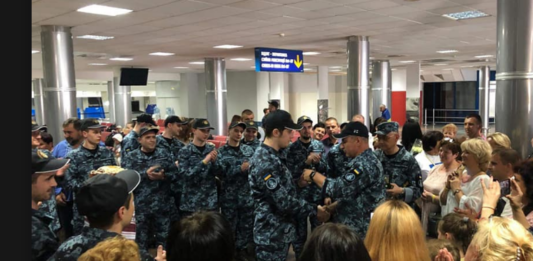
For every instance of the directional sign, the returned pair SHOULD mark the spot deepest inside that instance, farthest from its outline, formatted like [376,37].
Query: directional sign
[278,60]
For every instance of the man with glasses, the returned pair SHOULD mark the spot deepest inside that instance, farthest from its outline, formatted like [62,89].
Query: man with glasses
[404,177]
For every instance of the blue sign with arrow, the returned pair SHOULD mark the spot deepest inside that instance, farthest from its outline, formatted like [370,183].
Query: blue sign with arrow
[278,60]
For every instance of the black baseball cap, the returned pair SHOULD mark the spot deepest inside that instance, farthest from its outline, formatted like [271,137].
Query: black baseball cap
[280,119]
[36,127]
[353,128]
[274,103]
[343,124]
[202,124]
[145,130]
[146,118]
[42,162]
[237,123]
[104,194]
[91,123]
[303,119]
[175,119]
[251,125]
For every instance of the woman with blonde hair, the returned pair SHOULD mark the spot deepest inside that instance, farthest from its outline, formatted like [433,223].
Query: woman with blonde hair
[502,239]
[499,140]
[449,131]
[395,234]
[463,189]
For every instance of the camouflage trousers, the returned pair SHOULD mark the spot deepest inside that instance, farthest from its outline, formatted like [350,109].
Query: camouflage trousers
[274,252]
[242,225]
[152,226]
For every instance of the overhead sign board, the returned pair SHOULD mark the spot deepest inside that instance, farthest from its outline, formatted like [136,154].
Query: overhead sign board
[278,60]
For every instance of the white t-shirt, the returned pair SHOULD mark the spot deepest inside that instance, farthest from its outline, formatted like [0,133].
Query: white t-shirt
[427,163]
[472,194]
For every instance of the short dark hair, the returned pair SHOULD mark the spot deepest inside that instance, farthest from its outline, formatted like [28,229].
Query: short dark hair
[319,125]
[47,137]
[453,146]
[332,118]
[203,236]
[525,169]
[334,242]
[265,110]
[430,139]
[507,156]
[247,112]
[410,132]
[107,221]
[74,121]
[475,115]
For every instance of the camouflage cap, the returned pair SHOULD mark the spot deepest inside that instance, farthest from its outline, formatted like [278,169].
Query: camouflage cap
[387,127]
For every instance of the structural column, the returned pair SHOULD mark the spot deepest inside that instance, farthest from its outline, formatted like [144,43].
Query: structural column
[514,77]
[216,94]
[38,97]
[357,77]
[381,86]
[59,78]
[111,99]
[122,102]
[413,92]
[484,92]
[323,94]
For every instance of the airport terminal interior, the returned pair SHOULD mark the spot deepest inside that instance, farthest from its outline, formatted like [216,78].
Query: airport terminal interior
[282,130]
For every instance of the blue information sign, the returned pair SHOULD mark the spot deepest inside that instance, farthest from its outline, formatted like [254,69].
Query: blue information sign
[278,60]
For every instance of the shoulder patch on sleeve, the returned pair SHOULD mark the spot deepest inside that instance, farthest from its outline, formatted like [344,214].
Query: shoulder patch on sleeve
[350,177]
[272,183]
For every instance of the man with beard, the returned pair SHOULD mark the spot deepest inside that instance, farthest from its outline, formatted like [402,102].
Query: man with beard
[73,140]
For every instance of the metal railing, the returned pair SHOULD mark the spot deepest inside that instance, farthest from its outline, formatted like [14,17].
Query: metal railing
[445,116]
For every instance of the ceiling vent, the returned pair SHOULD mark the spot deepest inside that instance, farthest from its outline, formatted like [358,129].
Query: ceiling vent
[440,76]
[422,78]
[395,56]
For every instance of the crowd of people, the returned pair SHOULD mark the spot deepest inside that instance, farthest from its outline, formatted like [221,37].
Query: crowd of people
[380,193]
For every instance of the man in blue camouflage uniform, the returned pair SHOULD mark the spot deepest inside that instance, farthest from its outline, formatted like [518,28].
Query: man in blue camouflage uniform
[171,147]
[306,153]
[250,135]
[197,170]
[44,242]
[153,198]
[361,188]
[48,206]
[107,202]
[130,141]
[277,204]
[88,157]
[235,200]
[337,160]
[400,167]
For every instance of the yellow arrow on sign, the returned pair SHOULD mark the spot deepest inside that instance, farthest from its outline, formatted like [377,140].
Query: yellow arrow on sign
[298,63]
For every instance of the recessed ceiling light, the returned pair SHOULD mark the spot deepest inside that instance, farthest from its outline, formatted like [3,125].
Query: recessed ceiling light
[484,56]
[440,64]
[196,63]
[161,54]
[34,51]
[306,63]
[181,67]
[465,15]
[448,69]
[467,66]
[407,61]
[311,53]
[121,59]
[335,67]
[334,70]
[307,69]
[98,64]
[227,46]
[241,59]
[104,10]
[448,51]
[393,69]
[95,37]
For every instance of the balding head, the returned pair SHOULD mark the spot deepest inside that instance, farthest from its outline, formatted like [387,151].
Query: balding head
[359,118]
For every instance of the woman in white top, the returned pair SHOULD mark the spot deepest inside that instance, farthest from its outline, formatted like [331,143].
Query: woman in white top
[466,191]
[450,156]
[429,158]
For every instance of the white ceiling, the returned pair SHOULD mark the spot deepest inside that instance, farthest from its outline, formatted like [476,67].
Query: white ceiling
[190,29]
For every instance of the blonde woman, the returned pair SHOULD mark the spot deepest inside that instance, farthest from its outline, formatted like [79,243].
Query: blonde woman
[500,239]
[499,140]
[464,188]
[449,131]
[395,234]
